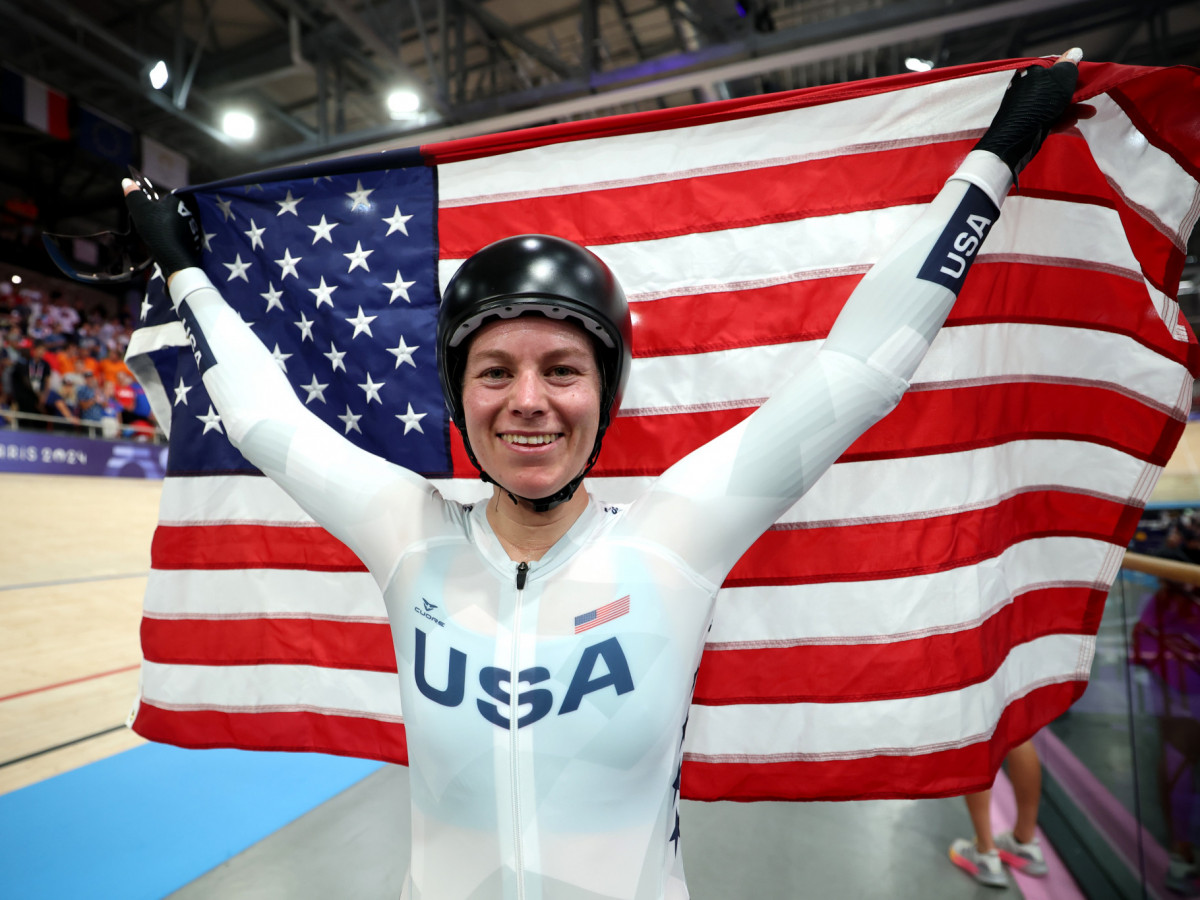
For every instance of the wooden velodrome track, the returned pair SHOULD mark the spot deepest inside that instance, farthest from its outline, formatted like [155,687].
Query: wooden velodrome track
[74,553]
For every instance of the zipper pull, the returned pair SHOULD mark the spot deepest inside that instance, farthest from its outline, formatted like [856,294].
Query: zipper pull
[522,571]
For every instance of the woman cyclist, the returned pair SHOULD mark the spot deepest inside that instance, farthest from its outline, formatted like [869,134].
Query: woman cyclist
[547,644]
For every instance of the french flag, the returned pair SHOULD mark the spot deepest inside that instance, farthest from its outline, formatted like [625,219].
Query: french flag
[34,103]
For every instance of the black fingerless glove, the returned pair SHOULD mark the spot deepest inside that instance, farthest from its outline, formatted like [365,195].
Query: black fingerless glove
[170,229]
[1035,100]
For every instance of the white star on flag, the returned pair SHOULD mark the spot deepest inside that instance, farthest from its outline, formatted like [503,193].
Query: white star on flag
[372,389]
[255,234]
[359,197]
[288,204]
[335,357]
[181,392]
[272,297]
[403,353]
[397,222]
[323,292]
[411,420]
[237,269]
[207,238]
[146,307]
[316,390]
[323,230]
[351,421]
[212,421]
[358,258]
[226,208]
[305,325]
[280,357]
[399,288]
[362,324]
[288,264]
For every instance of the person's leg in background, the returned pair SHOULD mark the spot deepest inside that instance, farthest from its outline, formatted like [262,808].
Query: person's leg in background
[1020,848]
[984,857]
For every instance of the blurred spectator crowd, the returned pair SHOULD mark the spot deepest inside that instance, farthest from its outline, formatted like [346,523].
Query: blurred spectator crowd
[64,359]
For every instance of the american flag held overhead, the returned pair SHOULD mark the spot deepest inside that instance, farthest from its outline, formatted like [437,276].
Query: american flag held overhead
[935,597]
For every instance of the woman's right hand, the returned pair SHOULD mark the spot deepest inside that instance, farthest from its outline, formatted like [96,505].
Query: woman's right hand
[170,229]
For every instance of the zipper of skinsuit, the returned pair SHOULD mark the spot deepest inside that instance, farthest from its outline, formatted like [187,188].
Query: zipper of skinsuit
[514,774]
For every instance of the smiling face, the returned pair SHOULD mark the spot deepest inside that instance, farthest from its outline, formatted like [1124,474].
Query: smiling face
[531,399]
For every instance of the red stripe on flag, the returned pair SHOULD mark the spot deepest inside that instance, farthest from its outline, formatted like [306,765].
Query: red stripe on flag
[947,773]
[269,641]
[250,547]
[925,422]
[916,547]
[291,731]
[994,292]
[739,199]
[929,664]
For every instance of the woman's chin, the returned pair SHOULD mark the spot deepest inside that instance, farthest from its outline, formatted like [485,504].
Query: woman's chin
[530,485]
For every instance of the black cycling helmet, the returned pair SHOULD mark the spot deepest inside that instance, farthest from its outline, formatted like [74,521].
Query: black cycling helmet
[542,275]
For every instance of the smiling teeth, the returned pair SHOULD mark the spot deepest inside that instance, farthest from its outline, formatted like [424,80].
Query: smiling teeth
[529,438]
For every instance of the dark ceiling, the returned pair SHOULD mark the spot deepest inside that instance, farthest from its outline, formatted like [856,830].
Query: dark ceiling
[315,72]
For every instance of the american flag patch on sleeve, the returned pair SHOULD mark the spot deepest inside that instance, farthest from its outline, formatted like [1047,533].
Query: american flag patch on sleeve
[605,613]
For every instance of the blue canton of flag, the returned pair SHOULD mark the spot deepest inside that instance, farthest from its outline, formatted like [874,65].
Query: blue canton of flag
[337,275]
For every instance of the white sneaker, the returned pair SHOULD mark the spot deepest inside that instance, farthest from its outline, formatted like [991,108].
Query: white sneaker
[985,868]
[1025,858]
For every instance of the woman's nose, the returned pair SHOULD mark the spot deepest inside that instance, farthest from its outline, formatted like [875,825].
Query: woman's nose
[528,395]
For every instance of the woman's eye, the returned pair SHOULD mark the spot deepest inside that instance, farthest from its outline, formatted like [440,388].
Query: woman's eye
[492,374]
[562,371]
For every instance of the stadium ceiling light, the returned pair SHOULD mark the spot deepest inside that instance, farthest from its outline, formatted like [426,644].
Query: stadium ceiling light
[402,103]
[913,64]
[238,125]
[16,279]
[159,75]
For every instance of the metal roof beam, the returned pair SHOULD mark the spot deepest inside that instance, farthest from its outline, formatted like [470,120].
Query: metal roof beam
[502,29]
[376,45]
[823,41]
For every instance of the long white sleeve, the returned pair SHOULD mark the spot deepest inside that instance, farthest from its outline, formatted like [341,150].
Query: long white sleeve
[733,488]
[375,507]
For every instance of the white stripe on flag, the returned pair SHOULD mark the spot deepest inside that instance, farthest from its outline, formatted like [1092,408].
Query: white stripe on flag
[1004,352]
[917,114]
[901,608]
[1048,230]
[939,484]
[254,499]
[757,732]
[342,692]
[1146,175]
[231,594]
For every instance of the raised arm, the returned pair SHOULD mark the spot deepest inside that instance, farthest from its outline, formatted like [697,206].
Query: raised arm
[713,504]
[375,507]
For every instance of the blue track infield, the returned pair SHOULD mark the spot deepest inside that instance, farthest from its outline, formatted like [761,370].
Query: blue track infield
[145,822]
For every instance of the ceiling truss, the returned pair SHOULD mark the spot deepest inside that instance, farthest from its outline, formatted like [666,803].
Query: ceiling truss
[316,72]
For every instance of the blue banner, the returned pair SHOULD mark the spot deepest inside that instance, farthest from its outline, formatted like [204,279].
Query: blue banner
[36,453]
